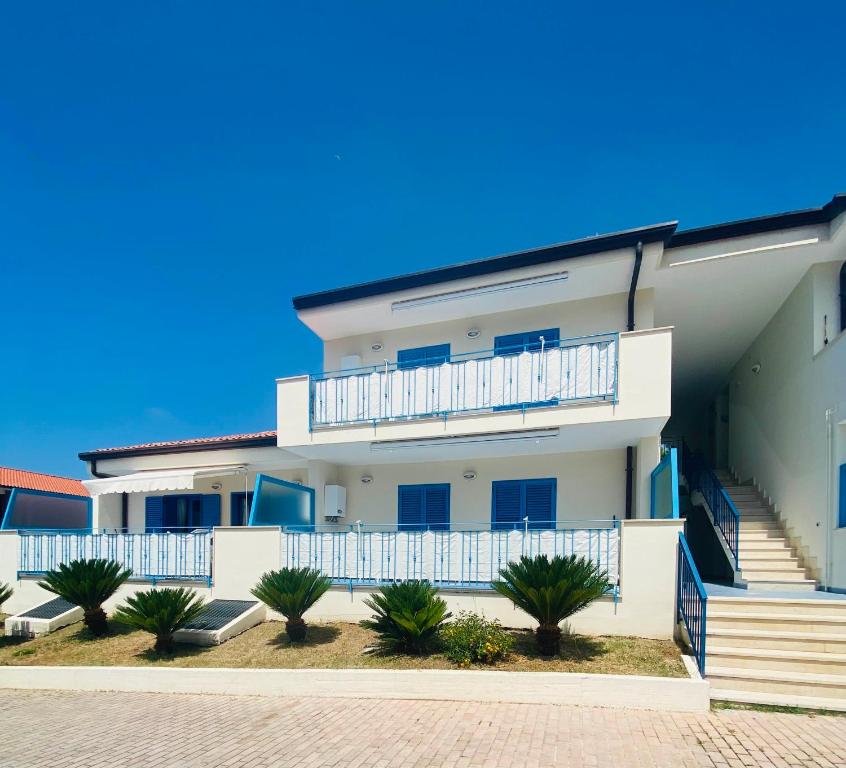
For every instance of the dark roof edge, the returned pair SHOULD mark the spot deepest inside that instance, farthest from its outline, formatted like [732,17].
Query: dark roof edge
[113,453]
[744,227]
[532,257]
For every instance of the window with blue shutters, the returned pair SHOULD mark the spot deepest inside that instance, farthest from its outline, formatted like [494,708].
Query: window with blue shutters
[181,512]
[419,357]
[528,341]
[512,501]
[239,511]
[153,513]
[423,507]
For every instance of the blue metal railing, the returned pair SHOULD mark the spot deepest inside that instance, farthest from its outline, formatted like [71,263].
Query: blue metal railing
[692,602]
[150,556]
[458,559]
[569,370]
[701,477]
[664,487]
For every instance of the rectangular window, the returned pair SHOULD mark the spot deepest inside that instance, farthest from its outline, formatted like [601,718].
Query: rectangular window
[528,341]
[512,501]
[239,507]
[181,512]
[419,357]
[423,507]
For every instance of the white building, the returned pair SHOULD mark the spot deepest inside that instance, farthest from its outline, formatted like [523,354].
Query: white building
[531,393]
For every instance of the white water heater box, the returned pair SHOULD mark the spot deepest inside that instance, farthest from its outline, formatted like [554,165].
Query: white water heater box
[335,501]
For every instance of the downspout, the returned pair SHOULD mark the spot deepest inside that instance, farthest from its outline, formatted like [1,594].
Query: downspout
[630,326]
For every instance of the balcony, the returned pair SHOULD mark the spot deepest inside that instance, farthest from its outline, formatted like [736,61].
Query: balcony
[570,371]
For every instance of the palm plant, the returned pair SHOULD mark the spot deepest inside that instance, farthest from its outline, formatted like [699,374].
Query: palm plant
[5,593]
[291,592]
[551,591]
[88,584]
[408,616]
[161,612]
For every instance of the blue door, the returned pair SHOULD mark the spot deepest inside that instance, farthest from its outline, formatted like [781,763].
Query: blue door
[239,507]
[514,500]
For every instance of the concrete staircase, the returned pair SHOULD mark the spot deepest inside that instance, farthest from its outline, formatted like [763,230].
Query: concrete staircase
[767,561]
[777,650]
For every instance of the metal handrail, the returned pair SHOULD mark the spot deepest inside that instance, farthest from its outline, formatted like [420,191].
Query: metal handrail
[456,527]
[692,602]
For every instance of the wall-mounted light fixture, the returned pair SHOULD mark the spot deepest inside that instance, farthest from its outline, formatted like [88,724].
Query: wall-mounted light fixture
[216,486]
[377,347]
[756,368]
[474,333]
[470,475]
[367,479]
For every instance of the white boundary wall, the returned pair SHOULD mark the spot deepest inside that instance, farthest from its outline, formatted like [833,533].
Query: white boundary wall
[645,607]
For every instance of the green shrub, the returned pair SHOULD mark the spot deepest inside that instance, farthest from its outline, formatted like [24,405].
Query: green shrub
[161,612]
[5,593]
[408,616]
[473,639]
[291,592]
[88,584]
[551,591]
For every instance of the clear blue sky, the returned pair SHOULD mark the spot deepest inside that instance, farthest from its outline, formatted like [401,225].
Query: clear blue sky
[171,174]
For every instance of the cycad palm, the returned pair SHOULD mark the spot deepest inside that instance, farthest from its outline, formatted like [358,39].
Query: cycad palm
[88,584]
[161,612]
[551,591]
[291,592]
[5,593]
[408,616]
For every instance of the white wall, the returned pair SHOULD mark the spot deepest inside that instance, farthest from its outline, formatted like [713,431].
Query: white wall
[779,434]
[574,318]
[591,485]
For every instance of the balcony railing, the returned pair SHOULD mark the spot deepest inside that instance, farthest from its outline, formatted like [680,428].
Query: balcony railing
[458,558]
[572,370]
[150,556]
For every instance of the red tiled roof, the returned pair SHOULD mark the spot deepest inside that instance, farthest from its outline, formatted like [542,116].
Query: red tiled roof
[271,433]
[36,481]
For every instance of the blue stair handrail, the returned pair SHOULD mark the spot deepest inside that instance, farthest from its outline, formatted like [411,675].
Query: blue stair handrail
[692,602]
[700,477]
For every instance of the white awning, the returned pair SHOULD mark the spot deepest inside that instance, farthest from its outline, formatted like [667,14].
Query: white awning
[158,480]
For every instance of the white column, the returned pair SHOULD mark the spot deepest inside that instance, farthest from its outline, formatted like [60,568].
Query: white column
[648,456]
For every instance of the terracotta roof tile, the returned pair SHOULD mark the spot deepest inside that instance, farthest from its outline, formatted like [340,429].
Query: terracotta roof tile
[36,481]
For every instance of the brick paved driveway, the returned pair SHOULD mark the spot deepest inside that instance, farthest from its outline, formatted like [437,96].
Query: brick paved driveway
[76,730]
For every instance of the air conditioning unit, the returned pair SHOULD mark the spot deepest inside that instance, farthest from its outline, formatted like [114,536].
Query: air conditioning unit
[335,502]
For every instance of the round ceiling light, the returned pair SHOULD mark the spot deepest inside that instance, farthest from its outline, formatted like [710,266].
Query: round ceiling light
[474,333]
[377,347]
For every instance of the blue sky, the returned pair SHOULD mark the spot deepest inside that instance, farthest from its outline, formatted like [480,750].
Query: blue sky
[171,174]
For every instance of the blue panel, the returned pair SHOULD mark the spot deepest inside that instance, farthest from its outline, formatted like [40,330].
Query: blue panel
[436,354]
[514,500]
[437,506]
[539,499]
[514,343]
[278,502]
[153,512]
[842,515]
[410,507]
[210,514]
[506,504]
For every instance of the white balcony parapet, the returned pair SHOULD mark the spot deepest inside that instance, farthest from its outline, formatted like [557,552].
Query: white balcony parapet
[569,371]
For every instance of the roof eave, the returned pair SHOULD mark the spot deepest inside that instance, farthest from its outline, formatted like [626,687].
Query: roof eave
[163,450]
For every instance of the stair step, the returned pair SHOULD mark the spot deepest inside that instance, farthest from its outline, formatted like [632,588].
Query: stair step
[805,607]
[772,544]
[773,681]
[754,562]
[777,660]
[759,525]
[787,572]
[818,624]
[781,585]
[778,699]
[762,534]
[777,639]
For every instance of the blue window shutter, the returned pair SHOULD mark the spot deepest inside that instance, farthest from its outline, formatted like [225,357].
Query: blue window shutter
[153,512]
[511,344]
[210,510]
[418,357]
[437,506]
[842,515]
[505,503]
[540,502]
[410,507]
[514,343]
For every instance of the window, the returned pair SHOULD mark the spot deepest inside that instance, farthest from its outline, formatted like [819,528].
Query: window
[841,517]
[181,512]
[514,500]
[423,507]
[437,354]
[529,341]
[239,511]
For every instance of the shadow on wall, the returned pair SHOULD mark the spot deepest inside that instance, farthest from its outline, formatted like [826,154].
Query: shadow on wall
[705,546]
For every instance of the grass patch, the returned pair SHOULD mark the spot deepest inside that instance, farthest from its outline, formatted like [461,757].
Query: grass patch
[720,705]
[334,646]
